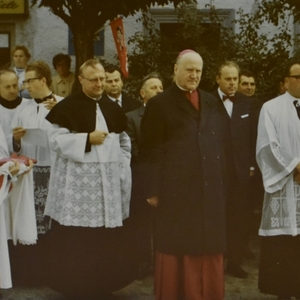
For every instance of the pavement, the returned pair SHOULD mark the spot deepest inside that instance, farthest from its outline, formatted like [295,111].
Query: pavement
[235,289]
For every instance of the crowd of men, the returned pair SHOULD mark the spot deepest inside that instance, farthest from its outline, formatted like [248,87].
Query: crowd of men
[114,185]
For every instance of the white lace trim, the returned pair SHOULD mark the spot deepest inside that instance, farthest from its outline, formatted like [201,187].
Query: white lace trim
[89,194]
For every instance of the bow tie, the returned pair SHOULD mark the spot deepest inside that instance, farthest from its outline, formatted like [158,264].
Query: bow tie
[297,105]
[39,100]
[231,98]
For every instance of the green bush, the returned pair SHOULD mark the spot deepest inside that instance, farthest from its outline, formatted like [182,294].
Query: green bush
[264,53]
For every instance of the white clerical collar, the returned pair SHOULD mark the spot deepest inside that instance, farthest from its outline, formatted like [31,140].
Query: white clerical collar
[183,89]
[96,99]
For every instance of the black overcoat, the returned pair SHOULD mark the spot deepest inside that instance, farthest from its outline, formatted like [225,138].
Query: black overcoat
[183,157]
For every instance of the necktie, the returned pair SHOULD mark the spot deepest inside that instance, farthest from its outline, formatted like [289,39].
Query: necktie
[297,106]
[39,100]
[231,98]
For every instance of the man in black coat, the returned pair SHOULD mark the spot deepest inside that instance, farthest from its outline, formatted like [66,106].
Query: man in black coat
[183,154]
[113,89]
[140,211]
[151,86]
[237,109]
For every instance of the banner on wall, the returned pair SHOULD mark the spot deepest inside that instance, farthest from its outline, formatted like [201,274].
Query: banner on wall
[119,37]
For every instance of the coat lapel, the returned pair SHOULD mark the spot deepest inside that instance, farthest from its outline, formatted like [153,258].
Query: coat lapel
[238,108]
[205,108]
[223,109]
[180,100]
[142,110]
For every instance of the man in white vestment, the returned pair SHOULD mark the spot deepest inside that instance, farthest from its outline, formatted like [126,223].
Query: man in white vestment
[278,156]
[30,139]
[89,190]
[21,227]
[10,102]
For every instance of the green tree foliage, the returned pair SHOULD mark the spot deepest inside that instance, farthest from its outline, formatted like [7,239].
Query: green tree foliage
[255,45]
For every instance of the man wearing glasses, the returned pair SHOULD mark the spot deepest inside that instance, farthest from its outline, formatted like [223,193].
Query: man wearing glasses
[30,139]
[278,156]
[90,189]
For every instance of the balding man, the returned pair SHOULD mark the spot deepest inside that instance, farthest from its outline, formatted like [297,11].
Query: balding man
[10,102]
[238,111]
[183,153]
[151,86]
[89,191]
[140,210]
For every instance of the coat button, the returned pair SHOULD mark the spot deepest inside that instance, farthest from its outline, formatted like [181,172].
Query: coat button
[205,182]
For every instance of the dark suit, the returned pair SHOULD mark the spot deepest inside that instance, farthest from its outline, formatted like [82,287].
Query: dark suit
[242,126]
[140,210]
[129,104]
[183,156]
[134,119]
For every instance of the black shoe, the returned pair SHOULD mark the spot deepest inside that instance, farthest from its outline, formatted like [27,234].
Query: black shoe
[236,271]
[248,254]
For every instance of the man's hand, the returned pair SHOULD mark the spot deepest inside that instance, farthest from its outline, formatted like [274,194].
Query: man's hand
[14,170]
[97,137]
[298,168]
[18,133]
[296,176]
[49,104]
[31,164]
[153,201]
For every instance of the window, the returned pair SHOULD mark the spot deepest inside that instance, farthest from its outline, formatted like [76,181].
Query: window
[4,49]
[166,20]
[167,16]
[7,38]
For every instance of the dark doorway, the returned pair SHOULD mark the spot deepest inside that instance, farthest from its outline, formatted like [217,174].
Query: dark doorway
[5,59]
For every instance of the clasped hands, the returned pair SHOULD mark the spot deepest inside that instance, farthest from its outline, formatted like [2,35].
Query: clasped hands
[15,168]
[97,137]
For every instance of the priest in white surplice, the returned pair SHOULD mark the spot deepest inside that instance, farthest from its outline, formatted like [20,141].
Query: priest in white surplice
[21,227]
[10,102]
[278,156]
[30,139]
[89,190]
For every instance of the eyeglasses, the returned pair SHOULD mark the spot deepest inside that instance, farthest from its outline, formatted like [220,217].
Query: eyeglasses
[95,80]
[295,76]
[28,81]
